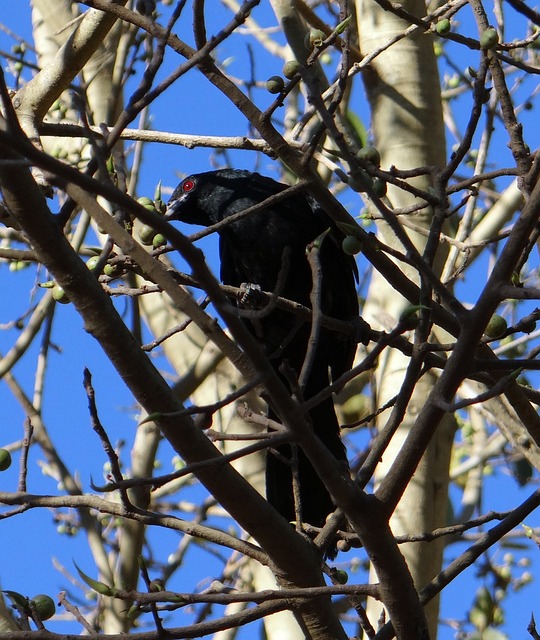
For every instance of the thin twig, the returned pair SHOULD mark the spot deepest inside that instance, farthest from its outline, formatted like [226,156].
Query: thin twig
[25,449]
[105,442]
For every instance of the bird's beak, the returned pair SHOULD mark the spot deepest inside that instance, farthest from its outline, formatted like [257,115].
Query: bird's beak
[172,210]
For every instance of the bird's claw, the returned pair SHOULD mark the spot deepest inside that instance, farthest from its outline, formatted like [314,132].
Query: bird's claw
[250,296]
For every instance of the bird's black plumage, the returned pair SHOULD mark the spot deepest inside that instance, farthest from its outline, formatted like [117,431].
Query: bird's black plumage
[256,250]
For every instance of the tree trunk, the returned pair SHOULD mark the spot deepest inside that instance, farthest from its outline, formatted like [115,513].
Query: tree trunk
[402,85]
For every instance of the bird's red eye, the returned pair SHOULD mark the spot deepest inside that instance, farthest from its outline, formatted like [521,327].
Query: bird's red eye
[188,186]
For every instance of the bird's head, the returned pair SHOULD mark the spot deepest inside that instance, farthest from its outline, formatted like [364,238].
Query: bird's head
[203,198]
[184,202]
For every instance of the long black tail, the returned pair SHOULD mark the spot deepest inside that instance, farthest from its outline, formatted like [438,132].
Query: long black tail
[315,501]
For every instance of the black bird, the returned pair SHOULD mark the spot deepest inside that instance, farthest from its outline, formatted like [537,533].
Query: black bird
[268,249]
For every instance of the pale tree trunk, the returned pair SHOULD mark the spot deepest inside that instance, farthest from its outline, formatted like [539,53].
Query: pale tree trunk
[402,85]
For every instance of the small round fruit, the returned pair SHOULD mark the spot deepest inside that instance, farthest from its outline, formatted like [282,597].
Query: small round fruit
[369,154]
[443,27]
[18,265]
[92,262]
[159,241]
[315,38]
[146,234]
[111,270]
[351,245]
[343,546]
[340,576]
[44,605]
[60,295]
[275,84]
[5,459]
[156,585]
[146,203]
[496,327]
[145,7]
[291,68]
[325,58]
[489,38]
[379,187]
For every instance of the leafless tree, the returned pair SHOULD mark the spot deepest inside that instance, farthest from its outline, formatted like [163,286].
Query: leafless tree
[412,115]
